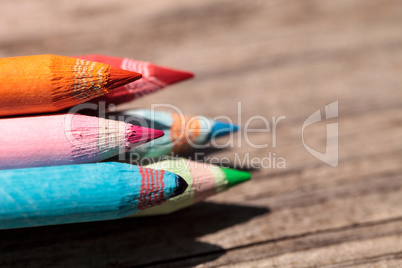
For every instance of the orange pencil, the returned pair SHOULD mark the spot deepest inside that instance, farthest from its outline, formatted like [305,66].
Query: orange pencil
[49,83]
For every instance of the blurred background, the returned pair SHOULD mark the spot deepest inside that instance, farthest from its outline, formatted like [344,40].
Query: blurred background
[272,58]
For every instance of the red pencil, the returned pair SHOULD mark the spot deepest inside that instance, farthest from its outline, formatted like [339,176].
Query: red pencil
[154,78]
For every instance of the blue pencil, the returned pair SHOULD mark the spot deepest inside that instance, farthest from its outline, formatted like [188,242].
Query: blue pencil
[182,133]
[81,193]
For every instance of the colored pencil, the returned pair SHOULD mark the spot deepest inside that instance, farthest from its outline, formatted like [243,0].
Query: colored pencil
[182,132]
[49,83]
[154,78]
[203,180]
[66,139]
[81,193]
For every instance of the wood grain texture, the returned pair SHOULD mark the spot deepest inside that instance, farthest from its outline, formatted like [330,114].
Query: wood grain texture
[278,58]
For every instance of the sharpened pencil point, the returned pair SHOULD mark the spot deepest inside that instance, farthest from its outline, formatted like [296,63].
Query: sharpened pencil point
[170,76]
[222,128]
[181,186]
[235,177]
[143,134]
[119,77]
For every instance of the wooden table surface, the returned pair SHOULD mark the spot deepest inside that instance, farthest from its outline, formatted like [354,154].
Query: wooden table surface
[274,58]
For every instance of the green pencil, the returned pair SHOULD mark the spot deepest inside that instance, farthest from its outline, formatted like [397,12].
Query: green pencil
[203,180]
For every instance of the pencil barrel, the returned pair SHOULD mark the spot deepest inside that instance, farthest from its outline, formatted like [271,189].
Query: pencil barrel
[63,139]
[80,193]
[25,80]
[49,83]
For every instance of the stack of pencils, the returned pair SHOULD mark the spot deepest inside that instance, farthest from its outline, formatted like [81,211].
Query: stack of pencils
[52,162]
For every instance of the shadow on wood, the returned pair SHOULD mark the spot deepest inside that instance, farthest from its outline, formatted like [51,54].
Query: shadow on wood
[127,242]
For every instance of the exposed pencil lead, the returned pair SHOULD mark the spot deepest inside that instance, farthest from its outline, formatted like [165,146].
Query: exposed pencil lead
[119,77]
[141,135]
[181,186]
[170,76]
[222,128]
[235,177]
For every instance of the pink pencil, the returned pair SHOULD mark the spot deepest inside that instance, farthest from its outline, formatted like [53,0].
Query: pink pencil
[66,139]
[154,78]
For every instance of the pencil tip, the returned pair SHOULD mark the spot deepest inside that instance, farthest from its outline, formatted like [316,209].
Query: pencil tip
[181,186]
[222,129]
[142,134]
[119,77]
[235,177]
[169,76]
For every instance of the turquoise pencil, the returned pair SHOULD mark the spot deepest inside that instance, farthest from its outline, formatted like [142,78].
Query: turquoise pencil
[81,193]
[182,132]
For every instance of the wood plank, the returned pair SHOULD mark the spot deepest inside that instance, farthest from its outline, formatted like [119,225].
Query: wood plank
[386,261]
[330,248]
[278,59]
[353,142]
[328,256]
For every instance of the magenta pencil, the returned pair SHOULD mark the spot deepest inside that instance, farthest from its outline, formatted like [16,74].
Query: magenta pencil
[154,78]
[66,139]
